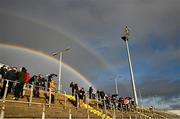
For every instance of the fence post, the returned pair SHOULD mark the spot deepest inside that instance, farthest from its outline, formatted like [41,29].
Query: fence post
[65,99]
[88,114]
[31,95]
[24,89]
[88,108]
[49,97]
[43,112]
[104,104]
[6,89]
[70,114]
[2,110]
[97,106]
[114,113]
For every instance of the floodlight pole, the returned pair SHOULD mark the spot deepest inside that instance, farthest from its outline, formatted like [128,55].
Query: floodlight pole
[60,66]
[116,85]
[125,38]
[60,69]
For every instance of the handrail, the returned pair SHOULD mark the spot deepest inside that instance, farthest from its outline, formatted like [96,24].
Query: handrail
[35,103]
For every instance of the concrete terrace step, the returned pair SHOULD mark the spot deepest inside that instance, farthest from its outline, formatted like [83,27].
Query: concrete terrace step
[19,110]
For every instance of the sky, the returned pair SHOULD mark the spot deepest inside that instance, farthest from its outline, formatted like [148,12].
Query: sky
[93,29]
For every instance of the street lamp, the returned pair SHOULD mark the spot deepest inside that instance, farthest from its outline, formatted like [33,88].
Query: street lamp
[60,53]
[116,84]
[125,38]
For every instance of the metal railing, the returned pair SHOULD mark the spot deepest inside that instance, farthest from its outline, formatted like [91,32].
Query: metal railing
[31,87]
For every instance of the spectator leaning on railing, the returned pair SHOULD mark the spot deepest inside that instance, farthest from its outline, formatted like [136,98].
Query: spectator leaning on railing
[19,86]
[10,75]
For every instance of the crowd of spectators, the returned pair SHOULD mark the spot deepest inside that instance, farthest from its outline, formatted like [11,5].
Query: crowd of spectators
[110,101]
[17,79]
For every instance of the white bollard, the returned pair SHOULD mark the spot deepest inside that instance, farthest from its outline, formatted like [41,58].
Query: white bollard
[43,112]
[130,117]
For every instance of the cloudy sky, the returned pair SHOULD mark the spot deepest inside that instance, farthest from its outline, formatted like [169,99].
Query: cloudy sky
[92,28]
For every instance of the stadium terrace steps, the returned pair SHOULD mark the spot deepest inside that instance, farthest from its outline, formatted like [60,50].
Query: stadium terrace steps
[58,110]
[19,110]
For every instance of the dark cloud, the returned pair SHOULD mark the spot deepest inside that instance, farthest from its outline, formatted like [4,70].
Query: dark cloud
[160,87]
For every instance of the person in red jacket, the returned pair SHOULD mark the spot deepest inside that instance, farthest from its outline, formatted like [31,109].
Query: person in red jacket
[27,78]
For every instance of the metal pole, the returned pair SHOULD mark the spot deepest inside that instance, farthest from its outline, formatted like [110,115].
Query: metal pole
[65,99]
[97,105]
[140,96]
[60,68]
[116,85]
[2,110]
[31,95]
[104,104]
[114,113]
[43,112]
[70,115]
[49,97]
[6,88]
[88,108]
[24,89]
[132,74]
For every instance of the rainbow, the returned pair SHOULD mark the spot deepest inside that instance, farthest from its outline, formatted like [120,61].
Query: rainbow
[58,30]
[39,53]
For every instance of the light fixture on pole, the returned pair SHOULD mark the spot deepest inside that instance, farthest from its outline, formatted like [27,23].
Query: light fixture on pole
[60,66]
[125,37]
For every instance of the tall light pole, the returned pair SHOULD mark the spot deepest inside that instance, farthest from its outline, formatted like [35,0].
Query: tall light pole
[60,66]
[140,98]
[116,84]
[125,38]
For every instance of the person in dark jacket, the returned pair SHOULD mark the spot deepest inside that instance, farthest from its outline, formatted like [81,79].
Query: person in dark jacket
[3,71]
[19,87]
[81,95]
[12,76]
[90,92]
[76,88]
[72,88]
[33,79]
